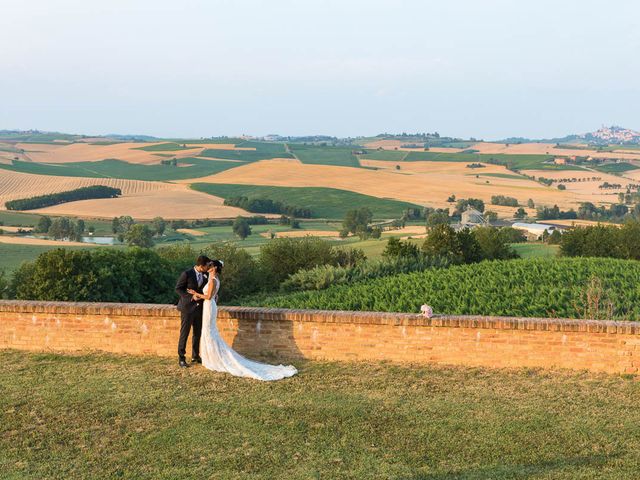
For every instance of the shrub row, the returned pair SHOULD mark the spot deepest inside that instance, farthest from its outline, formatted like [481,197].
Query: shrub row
[84,193]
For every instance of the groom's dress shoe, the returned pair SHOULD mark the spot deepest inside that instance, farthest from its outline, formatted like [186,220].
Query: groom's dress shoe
[183,363]
[196,360]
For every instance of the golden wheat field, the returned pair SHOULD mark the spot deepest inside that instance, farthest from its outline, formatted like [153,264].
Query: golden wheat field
[424,183]
[41,241]
[126,151]
[513,149]
[140,199]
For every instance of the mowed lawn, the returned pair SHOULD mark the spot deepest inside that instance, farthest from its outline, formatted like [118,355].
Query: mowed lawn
[104,416]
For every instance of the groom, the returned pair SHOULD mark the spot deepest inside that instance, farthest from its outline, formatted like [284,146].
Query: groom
[191,310]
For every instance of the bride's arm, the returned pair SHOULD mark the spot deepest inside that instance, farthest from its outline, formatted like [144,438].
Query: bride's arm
[204,296]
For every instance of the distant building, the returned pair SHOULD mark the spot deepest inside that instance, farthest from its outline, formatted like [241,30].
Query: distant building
[560,161]
[533,231]
[472,218]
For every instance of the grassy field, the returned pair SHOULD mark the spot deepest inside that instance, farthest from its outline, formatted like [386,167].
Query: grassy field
[387,155]
[11,256]
[324,202]
[615,167]
[106,416]
[337,156]
[263,151]
[111,168]
[535,250]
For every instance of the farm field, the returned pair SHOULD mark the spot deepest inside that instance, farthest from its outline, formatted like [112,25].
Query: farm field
[337,156]
[616,167]
[534,287]
[188,167]
[535,250]
[132,152]
[323,202]
[422,183]
[148,419]
[142,200]
[12,254]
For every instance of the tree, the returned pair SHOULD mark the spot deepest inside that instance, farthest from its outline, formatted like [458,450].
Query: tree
[493,244]
[241,228]
[240,275]
[79,230]
[561,187]
[531,203]
[43,224]
[282,257]
[61,228]
[159,226]
[461,205]
[490,216]
[397,248]
[357,222]
[96,275]
[139,235]
[442,241]
[520,213]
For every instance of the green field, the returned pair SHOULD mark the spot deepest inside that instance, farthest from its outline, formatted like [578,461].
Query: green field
[12,255]
[112,168]
[324,202]
[163,147]
[263,151]
[616,167]
[534,287]
[386,155]
[535,250]
[336,156]
[108,416]
[498,175]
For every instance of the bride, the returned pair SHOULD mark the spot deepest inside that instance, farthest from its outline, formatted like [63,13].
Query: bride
[216,354]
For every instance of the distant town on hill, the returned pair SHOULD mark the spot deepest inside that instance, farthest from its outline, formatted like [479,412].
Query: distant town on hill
[606,135]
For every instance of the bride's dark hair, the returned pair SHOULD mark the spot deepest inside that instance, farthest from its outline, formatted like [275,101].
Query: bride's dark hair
[217,264]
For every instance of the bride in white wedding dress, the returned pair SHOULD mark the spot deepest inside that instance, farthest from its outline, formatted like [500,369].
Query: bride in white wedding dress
[216,354]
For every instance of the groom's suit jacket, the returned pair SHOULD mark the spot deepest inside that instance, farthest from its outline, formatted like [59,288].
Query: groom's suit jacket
[189,280]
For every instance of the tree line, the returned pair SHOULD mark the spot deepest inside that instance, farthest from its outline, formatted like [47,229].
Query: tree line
[267,205]
[83,193]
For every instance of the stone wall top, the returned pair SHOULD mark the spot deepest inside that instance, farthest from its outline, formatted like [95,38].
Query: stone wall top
[329,316]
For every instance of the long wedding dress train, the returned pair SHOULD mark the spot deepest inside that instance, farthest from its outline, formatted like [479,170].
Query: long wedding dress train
[217,355]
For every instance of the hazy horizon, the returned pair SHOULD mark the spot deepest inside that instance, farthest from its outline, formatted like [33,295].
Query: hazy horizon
[209,68]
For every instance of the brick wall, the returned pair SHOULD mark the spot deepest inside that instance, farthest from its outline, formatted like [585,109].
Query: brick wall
[279,334]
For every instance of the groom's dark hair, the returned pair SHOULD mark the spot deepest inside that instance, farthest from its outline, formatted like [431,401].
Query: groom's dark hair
[202,260]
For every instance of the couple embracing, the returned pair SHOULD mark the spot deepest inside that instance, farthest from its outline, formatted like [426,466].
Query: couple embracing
[198,290]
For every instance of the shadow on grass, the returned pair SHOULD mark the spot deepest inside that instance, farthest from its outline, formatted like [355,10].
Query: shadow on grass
[519,471]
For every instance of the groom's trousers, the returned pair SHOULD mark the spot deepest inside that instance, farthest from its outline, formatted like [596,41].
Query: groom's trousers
[187,321]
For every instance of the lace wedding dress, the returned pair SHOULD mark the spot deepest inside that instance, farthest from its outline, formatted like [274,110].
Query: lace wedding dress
[217,355]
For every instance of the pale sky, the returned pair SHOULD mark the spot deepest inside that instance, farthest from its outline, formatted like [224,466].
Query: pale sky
[483,68]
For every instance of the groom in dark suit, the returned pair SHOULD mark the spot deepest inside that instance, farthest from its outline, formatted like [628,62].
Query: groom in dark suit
[191,310]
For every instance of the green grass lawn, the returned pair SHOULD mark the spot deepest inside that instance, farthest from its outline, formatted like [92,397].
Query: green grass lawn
[107,416]
[323,202]
[336,156]
[620,167]
[12,255]
[112,168]
[530,250]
